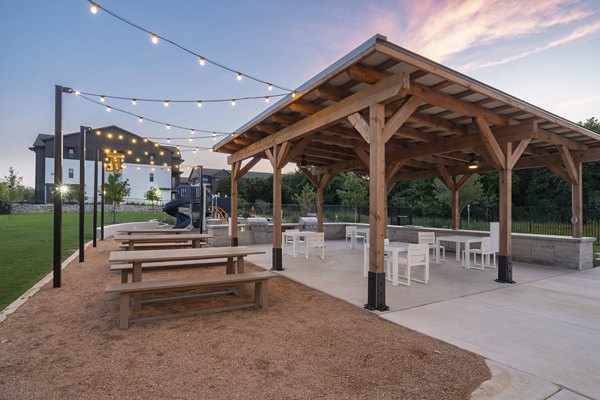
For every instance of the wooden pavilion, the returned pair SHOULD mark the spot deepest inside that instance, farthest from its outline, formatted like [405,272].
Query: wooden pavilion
[395,115]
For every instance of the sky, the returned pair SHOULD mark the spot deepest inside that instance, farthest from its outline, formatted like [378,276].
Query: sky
[544,52]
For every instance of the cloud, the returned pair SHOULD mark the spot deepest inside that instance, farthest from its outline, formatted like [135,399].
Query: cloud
[443,29]
[574,35]
[575,104]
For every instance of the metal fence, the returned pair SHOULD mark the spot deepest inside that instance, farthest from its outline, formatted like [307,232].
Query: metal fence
[538,220]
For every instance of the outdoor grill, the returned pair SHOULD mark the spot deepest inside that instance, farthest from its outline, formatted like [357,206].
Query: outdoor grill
[257,224]
[308,223]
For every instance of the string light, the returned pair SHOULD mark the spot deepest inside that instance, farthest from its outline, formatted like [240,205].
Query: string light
[141,119]
[94,9]
[190,139]
[266,99]
[239,76]
[133,102]
[77,93]
[269,86]
[107,109]
[120,137]
[168,140]
[192,131]
[166,103]
[233,102]
[102,99]
[199,104]
[214,136]
[202,59]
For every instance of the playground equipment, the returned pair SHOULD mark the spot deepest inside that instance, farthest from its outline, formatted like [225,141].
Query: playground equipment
[218,212]
[186,195]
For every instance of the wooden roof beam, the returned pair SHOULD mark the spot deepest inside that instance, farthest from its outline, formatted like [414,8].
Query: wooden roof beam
[437,123]
[331,93]
[389,89]
[304,107]
[497,157]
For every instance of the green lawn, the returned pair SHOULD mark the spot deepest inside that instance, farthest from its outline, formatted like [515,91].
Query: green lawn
[26,242]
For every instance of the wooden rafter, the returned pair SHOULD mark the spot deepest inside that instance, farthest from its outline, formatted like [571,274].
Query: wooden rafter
[497,157]
[362,154]
[569,164]
[243,171]
[387,90]
[361,126]
[400,117]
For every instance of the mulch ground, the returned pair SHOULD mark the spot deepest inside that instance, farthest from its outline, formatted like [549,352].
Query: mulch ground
[65,344]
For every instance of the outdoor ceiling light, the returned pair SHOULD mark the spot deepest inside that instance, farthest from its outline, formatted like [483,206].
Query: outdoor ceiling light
[473,164]
[303,163]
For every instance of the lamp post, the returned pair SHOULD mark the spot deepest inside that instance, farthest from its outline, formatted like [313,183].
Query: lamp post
[82,154]
[58,165]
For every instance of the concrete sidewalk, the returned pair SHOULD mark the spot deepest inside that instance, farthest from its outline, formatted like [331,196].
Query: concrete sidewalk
[542,335]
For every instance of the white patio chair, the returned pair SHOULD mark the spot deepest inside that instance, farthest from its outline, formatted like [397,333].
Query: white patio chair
[486,253]
[361,236]
[290,241]
[416,256]
[429,239]
[350,235]
[314,240]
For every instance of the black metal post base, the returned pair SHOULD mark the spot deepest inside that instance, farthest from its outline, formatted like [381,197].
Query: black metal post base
[234,242]
[277,259]
[376,294]
[505,269]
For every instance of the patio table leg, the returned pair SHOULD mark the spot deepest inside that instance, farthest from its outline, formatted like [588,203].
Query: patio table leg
[467,255]
[137,277]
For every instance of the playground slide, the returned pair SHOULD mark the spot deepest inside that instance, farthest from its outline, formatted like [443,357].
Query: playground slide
[172,208]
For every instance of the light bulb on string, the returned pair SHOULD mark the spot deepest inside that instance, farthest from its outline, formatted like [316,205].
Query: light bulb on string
[267,99]
[192,131]
[140,119]
[190,139]
[107,109]
[77,93]
[94,8]
[199,104]
[168,126]
[168,140]
[102,99]
[214,136]
[166,103]
[233,102]
[239,76]
[270,86]
[154,38]
[202,61]
[293,94]
[195,150]
[133,102]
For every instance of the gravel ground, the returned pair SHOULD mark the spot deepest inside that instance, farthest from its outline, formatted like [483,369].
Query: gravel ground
[65,344]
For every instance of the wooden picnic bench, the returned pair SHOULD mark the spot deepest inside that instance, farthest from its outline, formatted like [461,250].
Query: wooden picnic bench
[161,246]
[133,242]
[126,290]
[127,269]
[161,231]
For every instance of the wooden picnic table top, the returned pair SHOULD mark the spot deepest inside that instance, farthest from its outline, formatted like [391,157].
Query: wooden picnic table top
[181,254]
[162,238]
[155,230]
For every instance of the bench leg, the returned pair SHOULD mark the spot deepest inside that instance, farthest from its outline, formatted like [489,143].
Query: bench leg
[230,269]
[123,276]
[124,311]
[260,294]
[240,264]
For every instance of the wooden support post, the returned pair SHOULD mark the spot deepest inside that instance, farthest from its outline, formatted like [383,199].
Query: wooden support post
[320,209]
[577,202]
[455,209]
[505,214]
[235,171]
[377,206]
[273,155]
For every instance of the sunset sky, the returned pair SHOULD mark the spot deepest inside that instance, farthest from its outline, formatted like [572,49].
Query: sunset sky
[544,52]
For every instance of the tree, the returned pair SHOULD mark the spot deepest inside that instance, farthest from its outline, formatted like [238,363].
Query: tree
[116,191]
[153,195]
[471,193]
[354,191]
[306,198]
[11,187]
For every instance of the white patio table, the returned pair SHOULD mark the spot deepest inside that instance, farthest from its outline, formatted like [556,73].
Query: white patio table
[296,238]
[467,240]
[392,249]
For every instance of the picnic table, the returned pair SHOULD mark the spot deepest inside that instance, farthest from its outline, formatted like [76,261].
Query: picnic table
[166,231]
[131,241]
[467,240]
[392,249]
[137,258]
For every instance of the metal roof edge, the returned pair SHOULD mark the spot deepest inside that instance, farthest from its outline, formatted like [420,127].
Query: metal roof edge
[498,92]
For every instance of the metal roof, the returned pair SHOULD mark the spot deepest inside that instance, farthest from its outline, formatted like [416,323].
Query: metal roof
[434,122]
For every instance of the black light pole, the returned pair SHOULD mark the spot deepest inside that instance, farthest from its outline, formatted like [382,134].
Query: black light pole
[58,164]
[102,205]
[82,132]
[95,219]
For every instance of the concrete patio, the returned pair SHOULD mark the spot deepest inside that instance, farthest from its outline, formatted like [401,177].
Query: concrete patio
[544,332]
